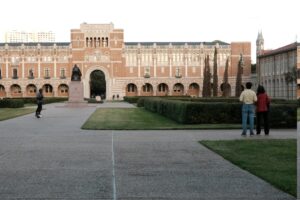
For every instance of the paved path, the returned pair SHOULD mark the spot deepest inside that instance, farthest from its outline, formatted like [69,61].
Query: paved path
[52,158]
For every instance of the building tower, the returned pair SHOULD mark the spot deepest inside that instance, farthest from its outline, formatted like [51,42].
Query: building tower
[259,43]
[259,51]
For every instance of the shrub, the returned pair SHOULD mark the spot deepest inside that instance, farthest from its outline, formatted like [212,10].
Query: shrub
[131,99]
[93,100]
[186,112]
[11,103]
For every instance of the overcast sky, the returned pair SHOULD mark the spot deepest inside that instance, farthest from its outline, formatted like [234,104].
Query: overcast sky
[161,20]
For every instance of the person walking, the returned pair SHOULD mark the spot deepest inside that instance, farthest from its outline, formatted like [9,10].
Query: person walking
[262,110]
[248,97]
[39,101]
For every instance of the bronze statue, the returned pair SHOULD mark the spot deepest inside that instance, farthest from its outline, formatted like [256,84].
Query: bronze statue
[76,74]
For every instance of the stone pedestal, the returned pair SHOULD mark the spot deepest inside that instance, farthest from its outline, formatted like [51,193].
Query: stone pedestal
[76,92]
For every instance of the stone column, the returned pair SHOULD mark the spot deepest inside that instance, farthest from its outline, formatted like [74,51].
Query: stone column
[54,72]
[170,67]
[23,68]
[6,66]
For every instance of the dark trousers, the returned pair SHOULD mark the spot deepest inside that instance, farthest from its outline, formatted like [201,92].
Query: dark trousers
[39,109]
[265,116]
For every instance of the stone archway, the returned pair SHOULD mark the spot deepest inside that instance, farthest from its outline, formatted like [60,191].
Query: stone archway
[86,81]
[97,84]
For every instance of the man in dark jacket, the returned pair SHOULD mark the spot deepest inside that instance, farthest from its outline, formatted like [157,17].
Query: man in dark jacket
[39,101]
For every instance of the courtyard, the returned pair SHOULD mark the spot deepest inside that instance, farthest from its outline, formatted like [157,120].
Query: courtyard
[53,158]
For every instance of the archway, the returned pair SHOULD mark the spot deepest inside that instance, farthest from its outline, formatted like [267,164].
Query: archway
[162,89]
[147,90]
[194,90]
[97,84]
[131,90]
[2,91]
[178,89]
[226,89]
[63,90]
[31,90]
[47,90]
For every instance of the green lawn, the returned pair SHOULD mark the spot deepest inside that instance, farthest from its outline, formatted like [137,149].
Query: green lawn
[140,119]
[272,160]
[8,113]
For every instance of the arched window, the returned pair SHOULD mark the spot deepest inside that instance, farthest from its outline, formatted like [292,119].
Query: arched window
[147,87]
[87,42]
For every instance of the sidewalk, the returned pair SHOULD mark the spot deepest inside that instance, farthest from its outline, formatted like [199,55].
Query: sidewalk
[52,158]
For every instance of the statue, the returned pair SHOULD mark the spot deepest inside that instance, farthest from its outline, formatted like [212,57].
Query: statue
[76,74]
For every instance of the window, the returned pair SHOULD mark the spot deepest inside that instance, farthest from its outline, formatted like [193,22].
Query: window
[47,73]
[147,87]
[62,73]
[15,73]
[48,88]
[30,73]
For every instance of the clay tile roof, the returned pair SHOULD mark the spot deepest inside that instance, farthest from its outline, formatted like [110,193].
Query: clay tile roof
[289,47]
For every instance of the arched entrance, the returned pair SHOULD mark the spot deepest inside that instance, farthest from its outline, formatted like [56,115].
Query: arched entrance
[97,84]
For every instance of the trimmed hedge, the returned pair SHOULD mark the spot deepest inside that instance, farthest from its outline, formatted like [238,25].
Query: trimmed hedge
[135,99]
[281,115]
[93,100]
[11,103]
[29,100]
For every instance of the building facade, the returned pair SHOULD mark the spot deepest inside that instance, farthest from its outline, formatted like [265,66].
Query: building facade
[128,68]
[277,69]
[25,37]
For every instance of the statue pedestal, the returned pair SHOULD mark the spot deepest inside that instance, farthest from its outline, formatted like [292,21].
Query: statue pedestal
[76,92]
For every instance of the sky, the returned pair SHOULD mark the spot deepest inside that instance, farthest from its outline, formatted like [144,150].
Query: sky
[161,20]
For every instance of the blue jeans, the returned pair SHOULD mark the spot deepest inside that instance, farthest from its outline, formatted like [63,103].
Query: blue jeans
[247,110]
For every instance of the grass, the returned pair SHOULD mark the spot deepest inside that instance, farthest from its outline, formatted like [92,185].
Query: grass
[8,113]
[271,160]
[140,119]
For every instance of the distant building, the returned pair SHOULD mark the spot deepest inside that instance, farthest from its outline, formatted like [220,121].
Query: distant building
[277,69]
[25,37]
[126,68]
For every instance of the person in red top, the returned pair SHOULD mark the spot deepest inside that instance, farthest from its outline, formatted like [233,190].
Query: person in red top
[262,110]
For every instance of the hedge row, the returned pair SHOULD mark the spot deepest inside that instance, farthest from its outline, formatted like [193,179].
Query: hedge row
[281,115]
[136,99]
[11,103]
[19,102]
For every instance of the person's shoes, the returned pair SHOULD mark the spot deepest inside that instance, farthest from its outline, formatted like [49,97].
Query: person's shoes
[243,134]
[37,116]
[257,133]
[40,115]
[266,133]
[251,134]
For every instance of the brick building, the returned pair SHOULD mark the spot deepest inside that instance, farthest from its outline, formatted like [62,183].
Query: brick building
[129,68]
[277,69]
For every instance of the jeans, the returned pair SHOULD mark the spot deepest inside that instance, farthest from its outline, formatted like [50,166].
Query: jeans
[247,110]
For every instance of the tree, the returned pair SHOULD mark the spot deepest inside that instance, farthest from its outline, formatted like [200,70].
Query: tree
[215,76]
[238,85]
[226,85]
[206,92]
[290,77]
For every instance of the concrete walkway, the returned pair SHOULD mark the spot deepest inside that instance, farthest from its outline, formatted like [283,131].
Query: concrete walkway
[52,158]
